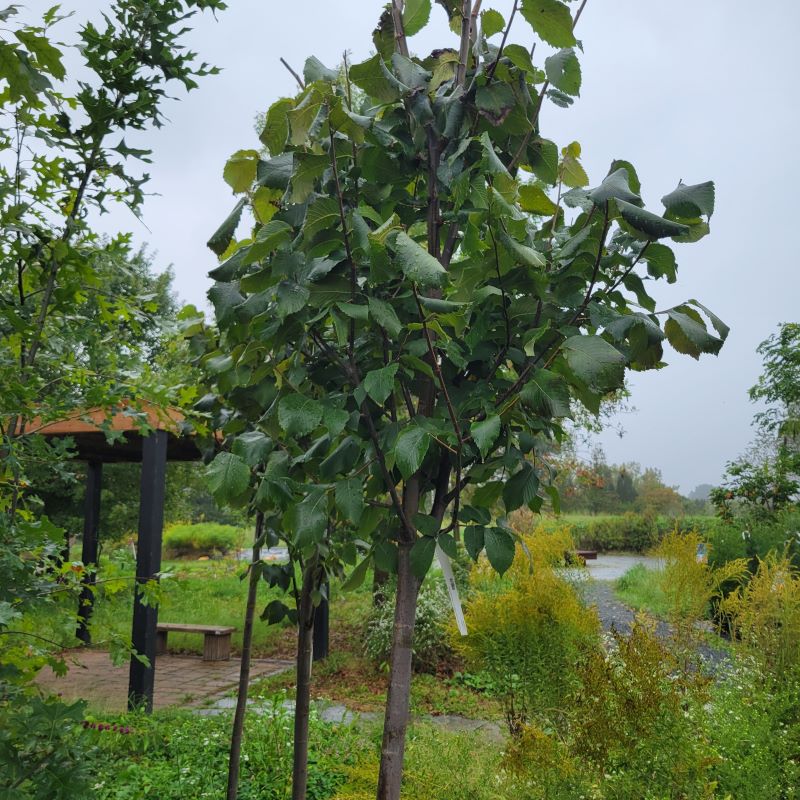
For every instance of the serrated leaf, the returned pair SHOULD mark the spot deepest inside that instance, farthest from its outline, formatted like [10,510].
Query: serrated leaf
[485,433]
[492,22]
[563,70]
[595,362]
[495,102]
[690,337]
[290,298]
[228,477]
[265,204]
[572,173]
[240,170]
[474,540]
[660,261]
[315,70]
[522,253]
[379,383]
[418,264]
[410,450]
[307,521]
[500,549]
[551,21]
[349,499]
[721,328]
[421,556]
[615,185]
[221,238]
[383,313]
[691,201]
[547,393]
[385,556]
[299,415]
[649,224]
[253,447]
[274,612]
[369,76]
[342,459]
[322,213]
[416,14]
[521,488]
[633,177]
[533,200]
[276,125]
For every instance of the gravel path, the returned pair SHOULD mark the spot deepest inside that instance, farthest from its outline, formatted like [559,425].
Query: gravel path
[615,615]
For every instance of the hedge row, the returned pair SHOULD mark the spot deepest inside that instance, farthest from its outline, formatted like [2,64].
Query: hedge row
[629,532]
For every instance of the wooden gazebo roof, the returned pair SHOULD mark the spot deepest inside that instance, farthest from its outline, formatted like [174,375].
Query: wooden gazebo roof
[88,428]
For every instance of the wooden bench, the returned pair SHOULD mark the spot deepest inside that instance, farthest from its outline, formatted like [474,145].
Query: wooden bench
[216,645]
[586,555]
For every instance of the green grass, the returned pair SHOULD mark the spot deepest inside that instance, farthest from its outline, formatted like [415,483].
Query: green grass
[640,588]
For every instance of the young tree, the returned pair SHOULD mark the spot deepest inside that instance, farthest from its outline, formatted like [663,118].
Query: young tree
[426,287]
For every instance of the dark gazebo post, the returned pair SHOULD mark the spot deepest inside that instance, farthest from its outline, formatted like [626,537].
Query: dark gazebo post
[91,529]
[148,564]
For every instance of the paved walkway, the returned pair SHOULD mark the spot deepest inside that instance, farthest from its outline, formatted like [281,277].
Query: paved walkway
[180,680]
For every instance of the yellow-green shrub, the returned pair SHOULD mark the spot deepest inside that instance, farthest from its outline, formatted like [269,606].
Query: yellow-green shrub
[688,582]
[765,614]
[528,629]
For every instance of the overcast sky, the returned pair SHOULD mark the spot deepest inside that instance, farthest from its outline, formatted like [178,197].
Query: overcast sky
[685,89]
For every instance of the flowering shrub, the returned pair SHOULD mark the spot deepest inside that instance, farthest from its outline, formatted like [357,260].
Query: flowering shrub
[431,644]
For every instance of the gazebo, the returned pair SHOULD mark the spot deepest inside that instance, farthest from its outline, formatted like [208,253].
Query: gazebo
[151,435]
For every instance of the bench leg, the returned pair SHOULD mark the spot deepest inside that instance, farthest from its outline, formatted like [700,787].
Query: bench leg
[161,643]
[217,648]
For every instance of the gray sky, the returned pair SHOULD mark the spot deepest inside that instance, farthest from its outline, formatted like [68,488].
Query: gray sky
[685,89]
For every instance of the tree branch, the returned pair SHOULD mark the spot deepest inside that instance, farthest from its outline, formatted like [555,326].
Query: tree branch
[493,67]
[463,50]
[299,80]
[399,31]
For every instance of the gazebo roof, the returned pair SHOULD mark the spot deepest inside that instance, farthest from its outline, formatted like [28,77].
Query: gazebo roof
[88,429]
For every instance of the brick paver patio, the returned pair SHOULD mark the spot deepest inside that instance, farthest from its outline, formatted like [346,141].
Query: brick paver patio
[180,680]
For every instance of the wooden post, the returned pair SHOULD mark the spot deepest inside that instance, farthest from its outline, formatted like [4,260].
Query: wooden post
[91,531]
[148,564]
[320,634]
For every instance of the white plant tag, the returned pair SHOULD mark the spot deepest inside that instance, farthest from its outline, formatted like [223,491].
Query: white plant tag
[452,589]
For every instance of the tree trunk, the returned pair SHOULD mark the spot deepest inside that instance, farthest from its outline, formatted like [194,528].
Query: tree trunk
[397,701]
[244,668]
[302,703]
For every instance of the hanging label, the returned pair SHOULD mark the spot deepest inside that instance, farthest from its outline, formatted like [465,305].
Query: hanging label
[452,589]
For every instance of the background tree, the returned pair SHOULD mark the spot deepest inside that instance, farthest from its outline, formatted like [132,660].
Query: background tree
[426,287]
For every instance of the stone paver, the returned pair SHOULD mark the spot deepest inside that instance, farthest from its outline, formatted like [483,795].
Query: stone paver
[180,680]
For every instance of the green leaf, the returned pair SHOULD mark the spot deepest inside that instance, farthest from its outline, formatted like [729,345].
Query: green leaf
[533,200]
[495,102]
[253,447]
[522,253]
[290,298]
[500,549]
[547,394]
[275,173]
[379,383]
[322,214]
[410,449]
[222,237]
[690,201]
[342,459]
[418,264]
[240,170]
[276,126]
[474,540]
[416,14]
[265,204]
[520,57]
[228,477]
[385,316]
[492,22]
[551,21]
[615,185]
[299,415]
[595,362]
[721,328]
[520,489]
[385,556]
[649,224]
[485,433]
[369,76]
[690,337]
[573,174]
[421,555]
[315,70]
[349,498]
[633,178]
[308,520]
[563,70]
[225,298]
[660,261]
[356,577]
[274,612]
